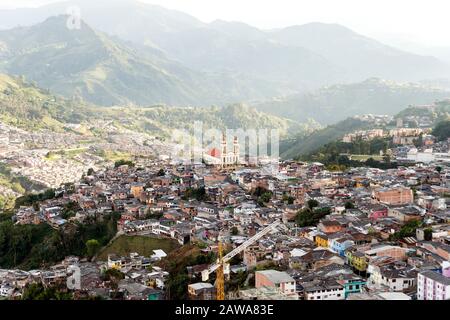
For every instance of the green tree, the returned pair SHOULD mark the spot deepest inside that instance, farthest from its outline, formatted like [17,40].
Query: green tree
[349,205]
[428,234]
[312,203]
[123,162]
[92,247]
[442,130]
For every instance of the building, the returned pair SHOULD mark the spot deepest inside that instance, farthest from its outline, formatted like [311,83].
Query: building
[432,285]
[325,289]
[224,157]
[405,213]
[201,291]
[275,279]
[394,196]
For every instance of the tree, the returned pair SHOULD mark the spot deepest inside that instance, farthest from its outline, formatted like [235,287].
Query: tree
[264,198]
[161,173]
[349,205]
[442,130]
[90,172]
[123,162]
[312,204]
[309,218]
[428,234]
[92,247]
[234,231]
[37,291]
[407,230]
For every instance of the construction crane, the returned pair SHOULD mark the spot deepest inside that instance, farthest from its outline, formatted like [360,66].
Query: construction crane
[222,267]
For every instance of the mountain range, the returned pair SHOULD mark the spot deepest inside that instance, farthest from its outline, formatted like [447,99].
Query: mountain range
[26,106]
[331,104]
[128,52]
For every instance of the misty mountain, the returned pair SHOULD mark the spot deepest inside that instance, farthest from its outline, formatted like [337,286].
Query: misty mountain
[291,60]
[330,104]
[105,70]
[359,56]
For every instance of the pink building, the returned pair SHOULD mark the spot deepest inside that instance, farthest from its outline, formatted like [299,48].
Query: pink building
[378,212]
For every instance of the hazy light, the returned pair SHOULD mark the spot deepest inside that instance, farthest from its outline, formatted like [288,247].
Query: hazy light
[410,20]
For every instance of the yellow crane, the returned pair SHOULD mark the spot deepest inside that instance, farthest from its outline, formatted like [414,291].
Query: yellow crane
[220,277]
[222,267]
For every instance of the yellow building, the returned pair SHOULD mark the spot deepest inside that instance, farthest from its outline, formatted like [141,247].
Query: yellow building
[321,240]
[357,260]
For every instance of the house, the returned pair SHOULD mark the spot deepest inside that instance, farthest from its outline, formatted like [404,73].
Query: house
[327,289]
[356,259]
[201,291]
[339,245]
[275,279]
[330,226]
[321,240]
[395,277]
[377,212]
[405,213]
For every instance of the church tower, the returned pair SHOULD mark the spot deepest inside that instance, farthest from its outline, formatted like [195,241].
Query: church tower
[236,151]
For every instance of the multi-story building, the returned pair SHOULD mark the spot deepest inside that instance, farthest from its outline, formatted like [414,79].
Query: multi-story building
[394,196]
[432,285]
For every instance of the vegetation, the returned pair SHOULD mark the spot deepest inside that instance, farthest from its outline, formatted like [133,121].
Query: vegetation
[123,162]
[36,291]
[198,194]
[34,246]
[407,230]
[176,264]
[92,247]
[143,245]
[302,146]
[442,130]
[334,103]
[309,217]
[34,198]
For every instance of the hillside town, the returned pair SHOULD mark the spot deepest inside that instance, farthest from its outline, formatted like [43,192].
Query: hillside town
[359,234]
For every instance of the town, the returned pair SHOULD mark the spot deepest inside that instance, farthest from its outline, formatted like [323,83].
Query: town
[227,229]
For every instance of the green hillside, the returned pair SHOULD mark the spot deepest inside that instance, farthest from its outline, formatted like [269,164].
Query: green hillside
[106,71]
[27,106]
[296,147]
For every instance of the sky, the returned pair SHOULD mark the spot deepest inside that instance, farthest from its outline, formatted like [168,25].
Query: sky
[406,21]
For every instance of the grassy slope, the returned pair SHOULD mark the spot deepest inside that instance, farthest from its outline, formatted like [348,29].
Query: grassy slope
[143,245]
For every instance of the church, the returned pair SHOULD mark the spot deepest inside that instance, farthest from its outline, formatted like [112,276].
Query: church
[224,157]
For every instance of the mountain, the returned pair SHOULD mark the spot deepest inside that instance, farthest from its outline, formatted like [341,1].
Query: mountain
[236,54]
[294,148]
[359,56]
[25,105]
[91,65]
[242,62]
[106,71]
[333,103]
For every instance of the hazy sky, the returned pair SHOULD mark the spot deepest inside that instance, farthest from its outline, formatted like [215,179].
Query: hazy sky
[422,21]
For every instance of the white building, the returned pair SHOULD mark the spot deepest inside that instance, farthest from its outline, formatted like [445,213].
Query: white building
[433,286]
